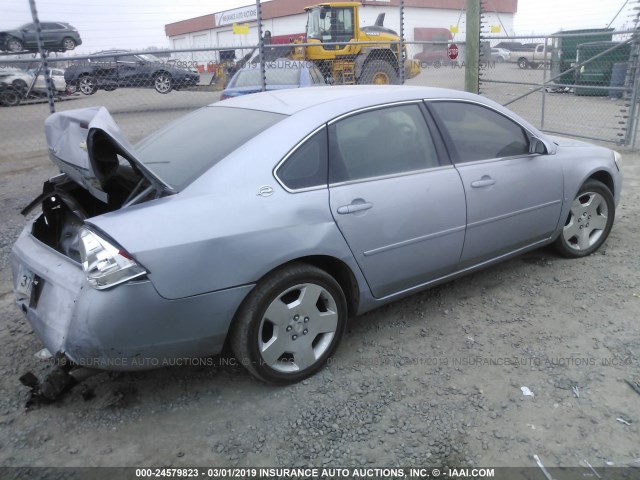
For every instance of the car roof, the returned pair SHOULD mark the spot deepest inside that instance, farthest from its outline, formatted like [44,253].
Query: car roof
[343,98]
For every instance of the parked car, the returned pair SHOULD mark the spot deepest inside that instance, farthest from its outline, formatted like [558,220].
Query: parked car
[500,55]
[22,80]
[266,220]
[17,78]
[281,73]
[57,77]
[120,68]
[433,53]
[531,58]
[58,36]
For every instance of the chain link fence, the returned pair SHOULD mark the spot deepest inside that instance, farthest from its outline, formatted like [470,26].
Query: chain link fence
[580,84]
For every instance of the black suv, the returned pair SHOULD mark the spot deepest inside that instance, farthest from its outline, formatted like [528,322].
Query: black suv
[120,68]
[58,36]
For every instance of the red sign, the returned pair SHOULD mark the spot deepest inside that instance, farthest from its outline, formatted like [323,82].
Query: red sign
[452,51]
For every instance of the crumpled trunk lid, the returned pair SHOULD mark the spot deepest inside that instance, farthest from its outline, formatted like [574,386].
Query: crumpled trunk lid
[86,143]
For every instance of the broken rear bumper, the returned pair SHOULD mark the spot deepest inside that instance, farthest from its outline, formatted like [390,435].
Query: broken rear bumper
[127,327]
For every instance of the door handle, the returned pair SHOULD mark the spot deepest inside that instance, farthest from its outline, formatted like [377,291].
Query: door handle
[354,207]
[485,181]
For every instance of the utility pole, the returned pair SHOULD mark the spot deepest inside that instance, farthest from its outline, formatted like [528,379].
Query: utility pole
[472,46]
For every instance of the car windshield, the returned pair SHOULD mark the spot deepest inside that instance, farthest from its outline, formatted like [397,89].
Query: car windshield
[182,151]
[250,77]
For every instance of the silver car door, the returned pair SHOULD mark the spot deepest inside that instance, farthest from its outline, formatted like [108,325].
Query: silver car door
[400,209]
[513,198]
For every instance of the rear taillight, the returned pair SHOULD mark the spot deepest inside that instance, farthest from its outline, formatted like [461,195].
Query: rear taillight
[224,96]
[105,264]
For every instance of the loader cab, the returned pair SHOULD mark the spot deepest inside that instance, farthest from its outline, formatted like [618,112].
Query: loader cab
[331,24]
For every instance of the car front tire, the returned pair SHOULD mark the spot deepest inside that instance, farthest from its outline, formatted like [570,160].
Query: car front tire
[290,324]
[589,221]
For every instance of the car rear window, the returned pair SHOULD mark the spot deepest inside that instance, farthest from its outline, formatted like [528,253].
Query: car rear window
[183,150]
[250,76]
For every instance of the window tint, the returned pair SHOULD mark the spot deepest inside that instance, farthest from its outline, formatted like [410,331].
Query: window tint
[186,148]
[307,166]
[128,59]
[380,142]
[479,133]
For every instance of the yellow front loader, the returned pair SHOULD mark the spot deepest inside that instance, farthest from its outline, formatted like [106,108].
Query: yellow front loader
[334,30]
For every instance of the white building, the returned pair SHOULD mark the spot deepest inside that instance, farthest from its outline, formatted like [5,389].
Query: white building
[286,19]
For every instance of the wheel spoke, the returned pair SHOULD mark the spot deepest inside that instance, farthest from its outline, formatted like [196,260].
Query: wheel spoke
[577,208]
[304,357]
[599,222]
[278,312]
[309,296]
[324,322]
[583,239]
[273,350]
[571,230]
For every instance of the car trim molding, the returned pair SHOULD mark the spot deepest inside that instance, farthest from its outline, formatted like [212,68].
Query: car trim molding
[375,107]
[391,175]
[512,214]
[444,278]
[411,241]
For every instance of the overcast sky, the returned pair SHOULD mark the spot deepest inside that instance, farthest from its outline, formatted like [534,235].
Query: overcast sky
[139,24]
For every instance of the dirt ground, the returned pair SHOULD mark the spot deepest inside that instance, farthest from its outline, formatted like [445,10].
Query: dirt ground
[432,380]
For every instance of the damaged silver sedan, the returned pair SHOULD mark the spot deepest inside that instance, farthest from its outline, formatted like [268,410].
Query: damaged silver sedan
[263,222]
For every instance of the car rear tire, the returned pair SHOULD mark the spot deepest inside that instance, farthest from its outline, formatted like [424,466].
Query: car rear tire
[589,222]
[9,97]
[523,63]
[162,82]
[290,324]
[378,72]
[21,87]
[68,43]
[87,85]
[14,45]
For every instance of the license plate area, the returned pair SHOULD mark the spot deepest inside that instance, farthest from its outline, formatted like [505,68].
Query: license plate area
[26,278]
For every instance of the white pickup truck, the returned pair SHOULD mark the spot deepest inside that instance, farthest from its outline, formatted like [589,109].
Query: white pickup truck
[531,58]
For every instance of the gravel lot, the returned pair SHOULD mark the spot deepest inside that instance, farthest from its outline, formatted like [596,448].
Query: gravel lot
[428,381]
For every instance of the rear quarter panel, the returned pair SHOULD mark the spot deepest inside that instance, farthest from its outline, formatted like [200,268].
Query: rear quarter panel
[219,233]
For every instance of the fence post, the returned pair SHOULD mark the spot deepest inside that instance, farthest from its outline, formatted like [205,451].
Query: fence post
[43,55]
[263,71]
[401,59]
[472,49]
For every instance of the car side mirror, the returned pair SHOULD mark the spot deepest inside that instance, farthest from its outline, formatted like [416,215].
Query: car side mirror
[537,146]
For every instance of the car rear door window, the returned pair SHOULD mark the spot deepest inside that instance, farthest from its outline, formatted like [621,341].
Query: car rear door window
[306,167]
[479,133]
[385,141]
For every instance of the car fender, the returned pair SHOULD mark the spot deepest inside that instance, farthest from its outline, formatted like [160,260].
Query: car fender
[579,163]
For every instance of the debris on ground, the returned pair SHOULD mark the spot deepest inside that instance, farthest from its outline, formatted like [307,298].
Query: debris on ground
[527,392]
